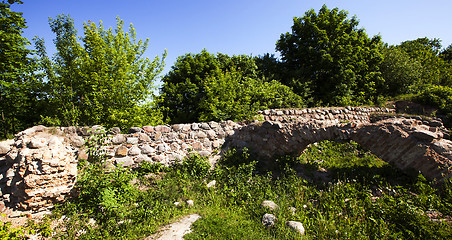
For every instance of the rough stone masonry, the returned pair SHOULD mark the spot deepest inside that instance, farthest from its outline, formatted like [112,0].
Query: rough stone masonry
[39,167]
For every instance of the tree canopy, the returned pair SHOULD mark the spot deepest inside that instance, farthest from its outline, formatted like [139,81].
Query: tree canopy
[204,87]
[427,52]
[18,86]
[337,60]
[400,72]
[104,81]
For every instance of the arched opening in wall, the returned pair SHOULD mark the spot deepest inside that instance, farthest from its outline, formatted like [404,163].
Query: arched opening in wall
[341,187]
[332,161]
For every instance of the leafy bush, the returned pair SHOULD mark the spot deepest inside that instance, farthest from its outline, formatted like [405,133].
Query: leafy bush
[148,167]
[194,166]
[231,95]
[440,97]
[7,232]
[106,194]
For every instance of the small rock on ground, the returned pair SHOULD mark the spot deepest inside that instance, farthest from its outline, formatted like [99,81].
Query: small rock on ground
[270,205]
[211,184]
[292,210]
[296,226]
[268,220]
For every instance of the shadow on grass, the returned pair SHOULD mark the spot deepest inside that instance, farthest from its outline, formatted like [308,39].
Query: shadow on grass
[364,174]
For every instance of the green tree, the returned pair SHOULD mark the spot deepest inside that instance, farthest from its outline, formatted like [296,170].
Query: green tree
[183,88]
[328,53]
[399,71]
[446,54]
[204,87]
[269,67]
[426,51]
[19,88]
[231,95]
[440,97]
[104,81]
[61,73]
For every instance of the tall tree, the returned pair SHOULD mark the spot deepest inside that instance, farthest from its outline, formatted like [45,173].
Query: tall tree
[446,56]
[104,81]
[62,72]
[18,87]
[327,52]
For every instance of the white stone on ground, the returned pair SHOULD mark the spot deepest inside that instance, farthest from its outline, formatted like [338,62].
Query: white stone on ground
[270,205]
[296,226]
[211,184]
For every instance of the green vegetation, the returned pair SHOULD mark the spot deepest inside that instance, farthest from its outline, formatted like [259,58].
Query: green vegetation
[339,190]
[337,61]
[208,87]
[104,81]
[8,232]
[440,97]
[19,87]
[102,77]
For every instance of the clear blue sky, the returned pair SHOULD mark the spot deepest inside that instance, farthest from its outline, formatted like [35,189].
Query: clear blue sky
[237,26]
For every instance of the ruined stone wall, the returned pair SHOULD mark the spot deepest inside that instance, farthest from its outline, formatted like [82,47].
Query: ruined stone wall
[39,167]
[169,143]
[166,143]
[411,143]
[335,115]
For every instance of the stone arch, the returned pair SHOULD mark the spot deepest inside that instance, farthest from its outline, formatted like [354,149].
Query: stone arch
[405,143]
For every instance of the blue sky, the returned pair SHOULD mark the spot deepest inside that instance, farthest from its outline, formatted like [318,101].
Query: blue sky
[249,27]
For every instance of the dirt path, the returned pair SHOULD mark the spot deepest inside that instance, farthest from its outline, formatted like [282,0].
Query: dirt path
[176,230]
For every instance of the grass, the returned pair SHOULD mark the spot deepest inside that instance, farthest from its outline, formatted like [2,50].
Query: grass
[339,190]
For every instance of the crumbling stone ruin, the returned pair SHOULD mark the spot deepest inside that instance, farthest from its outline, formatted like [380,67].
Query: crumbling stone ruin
[39,167]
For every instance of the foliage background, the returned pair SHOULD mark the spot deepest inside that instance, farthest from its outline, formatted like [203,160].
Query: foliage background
[101,77]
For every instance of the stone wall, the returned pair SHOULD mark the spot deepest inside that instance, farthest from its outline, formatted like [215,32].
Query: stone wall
[335,115]
[39,167]
[163,144]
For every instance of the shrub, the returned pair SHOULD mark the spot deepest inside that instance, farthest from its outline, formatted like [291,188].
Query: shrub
[194,166]
[439,97]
